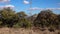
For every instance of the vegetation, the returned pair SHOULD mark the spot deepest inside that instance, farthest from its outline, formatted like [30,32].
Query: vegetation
[46,18]
[8,18]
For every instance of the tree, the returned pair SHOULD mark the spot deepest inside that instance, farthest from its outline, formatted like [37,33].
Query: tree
[24,23]
[22,14]
[46,18]
[9,17]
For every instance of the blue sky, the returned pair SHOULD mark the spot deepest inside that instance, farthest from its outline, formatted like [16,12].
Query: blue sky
[20,6]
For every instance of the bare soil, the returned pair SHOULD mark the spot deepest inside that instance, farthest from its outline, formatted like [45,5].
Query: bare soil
[25,31]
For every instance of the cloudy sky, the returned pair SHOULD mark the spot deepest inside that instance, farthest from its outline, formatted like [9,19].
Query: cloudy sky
[24,5]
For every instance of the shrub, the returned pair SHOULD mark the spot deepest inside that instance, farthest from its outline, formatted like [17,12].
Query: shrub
[51,29]
[23,23]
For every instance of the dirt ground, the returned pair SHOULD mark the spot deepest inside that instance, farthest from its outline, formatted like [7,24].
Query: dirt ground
[24,31]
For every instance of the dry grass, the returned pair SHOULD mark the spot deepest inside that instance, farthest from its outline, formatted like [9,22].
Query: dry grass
[24,31]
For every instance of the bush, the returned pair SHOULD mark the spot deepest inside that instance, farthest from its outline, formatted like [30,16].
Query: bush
[0,23]
[16,25]
[23,23]
[51,29]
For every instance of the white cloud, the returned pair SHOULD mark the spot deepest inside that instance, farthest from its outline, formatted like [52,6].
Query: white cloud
[53,8]
[26,2]
[36,8]
[6,6]
[11,6]
[4,0]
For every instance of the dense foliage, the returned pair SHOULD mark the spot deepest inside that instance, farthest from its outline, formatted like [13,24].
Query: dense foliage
[46,18]
[8,18]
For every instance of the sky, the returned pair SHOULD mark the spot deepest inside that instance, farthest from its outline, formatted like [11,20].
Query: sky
[24,5]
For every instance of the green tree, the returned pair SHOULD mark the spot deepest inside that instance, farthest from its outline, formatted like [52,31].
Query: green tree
[24,23]
[8,17]
[46,18]
[22,14]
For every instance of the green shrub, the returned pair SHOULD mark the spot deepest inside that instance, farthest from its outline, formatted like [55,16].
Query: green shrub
[23,23]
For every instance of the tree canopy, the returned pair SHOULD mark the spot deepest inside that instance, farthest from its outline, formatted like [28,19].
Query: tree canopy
[47,18]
